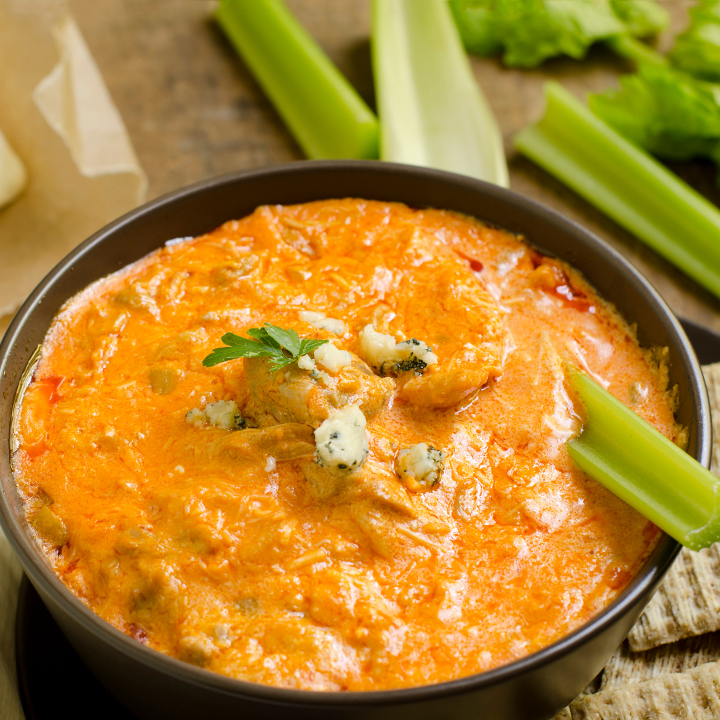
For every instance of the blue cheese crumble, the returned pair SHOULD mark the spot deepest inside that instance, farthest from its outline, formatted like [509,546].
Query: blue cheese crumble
[305,362]
[332,358]
[388,357]
[328,356]
[320,321]
[341,443]
[420,466]
[223,414]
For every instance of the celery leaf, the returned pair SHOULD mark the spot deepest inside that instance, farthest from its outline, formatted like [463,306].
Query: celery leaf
[530,31]
[697,50]
[665,111]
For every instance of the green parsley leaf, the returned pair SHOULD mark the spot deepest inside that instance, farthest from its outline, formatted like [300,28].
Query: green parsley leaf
[283,347]
[285,338]
[307,346]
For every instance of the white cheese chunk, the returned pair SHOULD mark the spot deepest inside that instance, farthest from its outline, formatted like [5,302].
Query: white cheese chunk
[195,417]
[224,414]
[332,358]
[377,348]
[388,357]
[341,443]
[222,634]
[420,466]
[413,348]
[306,363]
[322,322]
[322,377]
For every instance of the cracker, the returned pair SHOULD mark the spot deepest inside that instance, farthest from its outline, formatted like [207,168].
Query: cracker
[712,381]
[688,601]
[686,604]
[693,694]
[652,675]
[626,666]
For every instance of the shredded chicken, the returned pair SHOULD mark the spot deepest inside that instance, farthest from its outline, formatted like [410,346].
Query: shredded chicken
[293,394]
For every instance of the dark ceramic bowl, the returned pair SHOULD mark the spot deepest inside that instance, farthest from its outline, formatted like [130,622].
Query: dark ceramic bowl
[155,686]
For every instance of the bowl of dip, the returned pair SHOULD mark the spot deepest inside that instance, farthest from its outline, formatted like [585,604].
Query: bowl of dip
[502,670]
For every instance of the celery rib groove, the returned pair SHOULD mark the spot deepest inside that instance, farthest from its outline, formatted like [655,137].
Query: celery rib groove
[431,109]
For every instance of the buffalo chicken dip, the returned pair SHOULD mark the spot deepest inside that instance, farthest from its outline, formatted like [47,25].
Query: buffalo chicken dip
[323,447]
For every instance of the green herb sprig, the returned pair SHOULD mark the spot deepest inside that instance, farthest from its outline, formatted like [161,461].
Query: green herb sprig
[282,346]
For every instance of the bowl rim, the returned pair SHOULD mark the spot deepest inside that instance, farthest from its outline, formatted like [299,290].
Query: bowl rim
[654,566]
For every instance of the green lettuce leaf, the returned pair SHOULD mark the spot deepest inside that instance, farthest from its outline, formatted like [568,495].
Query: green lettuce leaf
[697,50]
[529,31]
[665,111]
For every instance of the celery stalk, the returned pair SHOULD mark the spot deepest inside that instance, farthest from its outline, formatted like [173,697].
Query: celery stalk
[322,110]
[627,184]
[432,112]
[633,460]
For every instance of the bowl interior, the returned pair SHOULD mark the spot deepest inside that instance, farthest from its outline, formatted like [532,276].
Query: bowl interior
[202,207]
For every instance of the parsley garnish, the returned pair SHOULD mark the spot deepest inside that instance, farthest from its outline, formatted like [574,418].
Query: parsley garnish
[282,346]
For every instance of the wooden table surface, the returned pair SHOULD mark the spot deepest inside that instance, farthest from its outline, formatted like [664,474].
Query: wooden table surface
[193,110]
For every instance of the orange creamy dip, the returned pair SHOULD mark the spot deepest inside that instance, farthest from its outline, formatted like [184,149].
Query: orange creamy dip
[209,545]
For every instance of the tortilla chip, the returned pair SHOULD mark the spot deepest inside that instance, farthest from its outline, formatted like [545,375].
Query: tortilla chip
[626,666]
[690,695]
[688,601]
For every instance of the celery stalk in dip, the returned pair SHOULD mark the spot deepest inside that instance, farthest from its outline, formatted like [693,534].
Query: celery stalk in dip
[632,459]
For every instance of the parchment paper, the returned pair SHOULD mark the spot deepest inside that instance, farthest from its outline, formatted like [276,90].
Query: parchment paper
[57,114]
